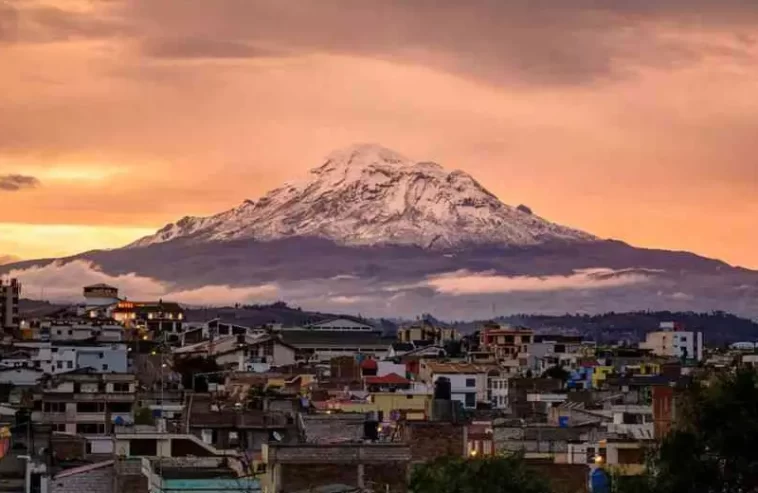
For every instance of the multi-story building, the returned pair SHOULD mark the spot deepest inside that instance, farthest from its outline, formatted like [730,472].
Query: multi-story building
[673,340]
[468,382]
[100,295]
[155,317]
[505,342]
[56,357]
[67,332]
[86,403]
[10,291]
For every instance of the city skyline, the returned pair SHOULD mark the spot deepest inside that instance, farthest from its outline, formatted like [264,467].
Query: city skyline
[629,122]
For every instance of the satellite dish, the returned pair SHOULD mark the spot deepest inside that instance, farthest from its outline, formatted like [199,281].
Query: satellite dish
[277,436]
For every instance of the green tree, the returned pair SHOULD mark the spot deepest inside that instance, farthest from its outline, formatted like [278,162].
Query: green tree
[712,448]
[556,372]
[143,416]
[190,367]
[503,473]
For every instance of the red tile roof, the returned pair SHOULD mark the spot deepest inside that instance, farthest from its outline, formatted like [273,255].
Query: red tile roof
[370,364]
[391,379]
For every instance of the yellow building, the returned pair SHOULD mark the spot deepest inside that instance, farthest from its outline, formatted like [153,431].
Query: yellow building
[412,406]
[599,374]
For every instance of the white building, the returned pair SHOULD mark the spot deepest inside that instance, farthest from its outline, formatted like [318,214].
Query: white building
[243,350]
[675,342]
[497,391]
[82,332]
[54,358]
[468,382]
[341,324]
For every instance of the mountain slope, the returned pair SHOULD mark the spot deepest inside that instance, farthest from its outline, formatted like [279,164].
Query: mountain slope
[370,195]
[373,233]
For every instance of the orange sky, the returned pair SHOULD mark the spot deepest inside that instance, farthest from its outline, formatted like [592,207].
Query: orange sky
[632,120]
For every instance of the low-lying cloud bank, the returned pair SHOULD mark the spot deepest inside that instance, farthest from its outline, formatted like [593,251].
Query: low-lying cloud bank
[464,282]
[64,282]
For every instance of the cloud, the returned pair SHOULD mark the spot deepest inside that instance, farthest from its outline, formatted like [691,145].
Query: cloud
[550,42]
[465,282]
[193,48]
[64,282]
[14,183]
[8,259]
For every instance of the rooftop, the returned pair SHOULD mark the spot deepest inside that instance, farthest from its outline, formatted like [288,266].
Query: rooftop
[391,379]
[321,338]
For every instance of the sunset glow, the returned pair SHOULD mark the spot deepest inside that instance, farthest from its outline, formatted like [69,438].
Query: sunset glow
[635,121]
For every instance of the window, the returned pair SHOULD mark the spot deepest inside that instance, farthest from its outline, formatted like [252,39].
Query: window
[470,400]
[90,428]
[100,355]
[471,382]
[120,407]
[70,332]
[90,407]
[121,387]
[70,364]
[59,364]
[59,427]
[54,407]
[590,455]
[105,367]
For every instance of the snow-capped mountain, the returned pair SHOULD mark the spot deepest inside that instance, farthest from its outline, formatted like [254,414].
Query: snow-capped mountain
[347,238]
[369,195]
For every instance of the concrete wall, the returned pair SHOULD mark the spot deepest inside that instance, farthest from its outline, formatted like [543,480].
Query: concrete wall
[383,467]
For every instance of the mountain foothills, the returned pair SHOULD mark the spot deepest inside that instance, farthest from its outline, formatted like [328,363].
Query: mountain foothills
[370,231]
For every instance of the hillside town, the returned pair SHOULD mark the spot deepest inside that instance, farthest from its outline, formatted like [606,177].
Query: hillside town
[115,395]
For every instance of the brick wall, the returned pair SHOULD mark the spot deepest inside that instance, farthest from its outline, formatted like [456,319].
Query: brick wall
[130,484]
[68,447]
[379,476]
[296,477]
[429,440]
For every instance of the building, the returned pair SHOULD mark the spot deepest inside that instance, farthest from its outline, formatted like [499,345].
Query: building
[154,317]
[323,345]
[86,403]
[672,340]
[497,389]
[505,342]
[341,324]
[426,331]
[108,332]
[100,295]
[63,357]
[10,292]
[243,352]
[468,382]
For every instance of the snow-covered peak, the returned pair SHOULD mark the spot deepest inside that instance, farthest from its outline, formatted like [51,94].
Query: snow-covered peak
[367,194]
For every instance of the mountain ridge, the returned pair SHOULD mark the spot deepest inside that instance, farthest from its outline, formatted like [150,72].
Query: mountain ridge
[366,194]
[375,232]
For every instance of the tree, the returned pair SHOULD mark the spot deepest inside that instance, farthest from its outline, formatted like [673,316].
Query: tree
[556,372]
[144,416]
[712,448]
[503,473]
[191,366]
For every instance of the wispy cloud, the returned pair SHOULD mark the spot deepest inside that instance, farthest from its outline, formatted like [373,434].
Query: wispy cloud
[464,282]
[14,183]
[64,282]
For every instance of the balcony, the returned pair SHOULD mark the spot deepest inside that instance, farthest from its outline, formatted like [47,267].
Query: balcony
[115,397]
